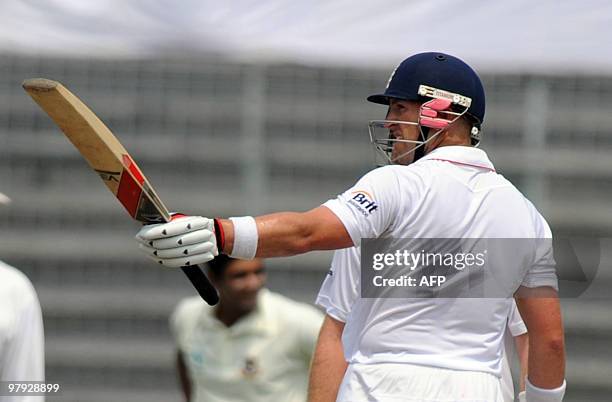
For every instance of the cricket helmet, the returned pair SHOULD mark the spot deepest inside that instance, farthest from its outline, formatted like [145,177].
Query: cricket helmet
[447,89]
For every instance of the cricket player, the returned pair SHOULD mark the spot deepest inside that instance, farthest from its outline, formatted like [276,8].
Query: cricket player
[432,349]
[340,290]
[255,345]
[22,355]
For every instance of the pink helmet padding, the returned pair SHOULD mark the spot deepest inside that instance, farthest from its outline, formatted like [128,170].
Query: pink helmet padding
[429,113]
[434,123]
[437,104]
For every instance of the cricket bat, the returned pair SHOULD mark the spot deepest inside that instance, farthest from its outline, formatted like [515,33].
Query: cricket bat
[105,154]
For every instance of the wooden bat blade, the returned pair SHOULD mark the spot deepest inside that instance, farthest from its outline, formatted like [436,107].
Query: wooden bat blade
[105,154]
[100,148]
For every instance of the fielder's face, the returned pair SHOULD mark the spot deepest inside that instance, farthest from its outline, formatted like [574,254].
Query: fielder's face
[240,283]
[408,111]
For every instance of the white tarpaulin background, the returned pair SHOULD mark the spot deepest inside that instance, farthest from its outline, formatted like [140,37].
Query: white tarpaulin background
[511,35]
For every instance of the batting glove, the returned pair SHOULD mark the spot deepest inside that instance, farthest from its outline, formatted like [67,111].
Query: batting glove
[185,241]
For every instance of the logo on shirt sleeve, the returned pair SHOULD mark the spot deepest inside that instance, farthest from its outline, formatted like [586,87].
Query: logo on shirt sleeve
[363,201]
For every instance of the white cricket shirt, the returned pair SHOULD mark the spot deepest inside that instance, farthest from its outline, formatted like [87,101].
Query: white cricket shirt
[340,290]
[22,355]
[264,356]
[453,192]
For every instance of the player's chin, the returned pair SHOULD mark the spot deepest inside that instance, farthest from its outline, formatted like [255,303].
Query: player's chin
[402,155]
[403,160]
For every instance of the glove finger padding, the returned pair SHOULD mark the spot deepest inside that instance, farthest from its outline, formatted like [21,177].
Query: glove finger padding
[178,226]
[181,252]
[187,261]
[182,240]
[184,260]
[185,241]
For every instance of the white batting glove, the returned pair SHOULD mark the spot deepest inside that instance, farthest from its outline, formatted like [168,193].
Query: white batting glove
[522,397]
[188,240]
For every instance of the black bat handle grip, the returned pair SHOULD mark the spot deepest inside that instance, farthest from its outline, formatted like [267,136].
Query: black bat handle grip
[200,281]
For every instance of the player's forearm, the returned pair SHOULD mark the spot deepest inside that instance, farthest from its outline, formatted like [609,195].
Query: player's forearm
[290,233]
[325,378]
[542,315]
[328,364]
[279,234]
[546,360]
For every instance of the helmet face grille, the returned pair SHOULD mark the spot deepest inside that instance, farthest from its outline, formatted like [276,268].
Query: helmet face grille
[383,142]
[443,109]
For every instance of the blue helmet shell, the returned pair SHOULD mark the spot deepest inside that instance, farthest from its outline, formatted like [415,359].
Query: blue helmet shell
[438,70]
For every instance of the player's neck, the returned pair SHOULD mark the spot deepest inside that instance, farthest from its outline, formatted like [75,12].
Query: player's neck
[228,314]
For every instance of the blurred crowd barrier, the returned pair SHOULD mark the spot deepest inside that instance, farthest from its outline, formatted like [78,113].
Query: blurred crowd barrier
[219,138]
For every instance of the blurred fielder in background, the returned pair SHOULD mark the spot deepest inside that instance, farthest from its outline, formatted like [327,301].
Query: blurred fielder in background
[255,345]
[427,349]
[22,345]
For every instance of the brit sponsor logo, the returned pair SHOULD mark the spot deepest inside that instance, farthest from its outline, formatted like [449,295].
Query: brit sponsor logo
[363,201]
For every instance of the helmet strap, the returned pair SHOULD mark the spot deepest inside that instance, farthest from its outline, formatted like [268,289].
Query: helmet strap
[419,152]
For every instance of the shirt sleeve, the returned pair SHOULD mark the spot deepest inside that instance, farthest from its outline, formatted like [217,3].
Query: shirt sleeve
[340,288]
[24,357]
[516,326]
[309,326]
[543,270]
[368,208]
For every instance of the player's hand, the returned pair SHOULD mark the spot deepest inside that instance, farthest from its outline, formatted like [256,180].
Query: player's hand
[187,240]
[522,397]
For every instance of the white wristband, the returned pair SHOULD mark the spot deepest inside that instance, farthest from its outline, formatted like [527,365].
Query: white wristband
[536,394]
[245,238]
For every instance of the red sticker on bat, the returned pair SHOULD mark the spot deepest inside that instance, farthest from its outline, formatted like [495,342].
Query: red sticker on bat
[130,188]
[129,193]
[127,161]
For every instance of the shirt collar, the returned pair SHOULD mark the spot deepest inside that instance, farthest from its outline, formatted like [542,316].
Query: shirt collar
[461,155]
